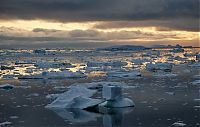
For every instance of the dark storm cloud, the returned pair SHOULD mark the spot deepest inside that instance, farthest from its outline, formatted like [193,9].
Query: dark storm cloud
[95,10]
[189,24]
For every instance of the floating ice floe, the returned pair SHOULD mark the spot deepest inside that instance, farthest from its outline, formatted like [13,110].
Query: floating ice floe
[33,95]
[52,64]
[198,57]
[159,66]
[123,74]
[39,51]
[108,63]
[189,55]
[5,123]
[170,93]
[6,86]
[164,75]
[140,61]
[196,82]
[24,62]
[80,97]
[63,74]
[152,53]
[177,50]
[54,75]
[5,67]
[9,76]
[114,99]
[179,124]
[13,117]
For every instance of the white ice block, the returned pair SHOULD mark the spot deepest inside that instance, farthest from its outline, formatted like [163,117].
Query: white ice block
[111,92]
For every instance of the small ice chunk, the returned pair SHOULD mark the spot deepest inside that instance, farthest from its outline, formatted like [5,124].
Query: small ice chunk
[33,95]
[170,93]
[113,97]
[196,82]
[198,57]
[6,86]
[5,123]
[64,74]
[179,124]
[198,99]
[14,117]
[119,103]
[139,61]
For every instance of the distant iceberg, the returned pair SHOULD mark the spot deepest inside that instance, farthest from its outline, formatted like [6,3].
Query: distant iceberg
[124,48]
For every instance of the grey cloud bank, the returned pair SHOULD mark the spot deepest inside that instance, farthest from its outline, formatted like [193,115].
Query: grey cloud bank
[185,11]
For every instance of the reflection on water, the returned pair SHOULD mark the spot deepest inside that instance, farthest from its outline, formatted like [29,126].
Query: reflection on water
[112,117]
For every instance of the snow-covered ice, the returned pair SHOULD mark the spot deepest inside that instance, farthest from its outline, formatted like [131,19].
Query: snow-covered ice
[73,96]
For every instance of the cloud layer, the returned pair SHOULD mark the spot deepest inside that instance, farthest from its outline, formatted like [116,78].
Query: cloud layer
[185,11]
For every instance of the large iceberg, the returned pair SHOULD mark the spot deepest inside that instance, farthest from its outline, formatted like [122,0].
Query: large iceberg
[80,97]
[75,97]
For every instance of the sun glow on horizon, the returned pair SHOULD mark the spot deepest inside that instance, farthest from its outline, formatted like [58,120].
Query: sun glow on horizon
[132,34]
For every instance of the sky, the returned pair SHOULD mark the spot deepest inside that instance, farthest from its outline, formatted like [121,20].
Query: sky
[97,23]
